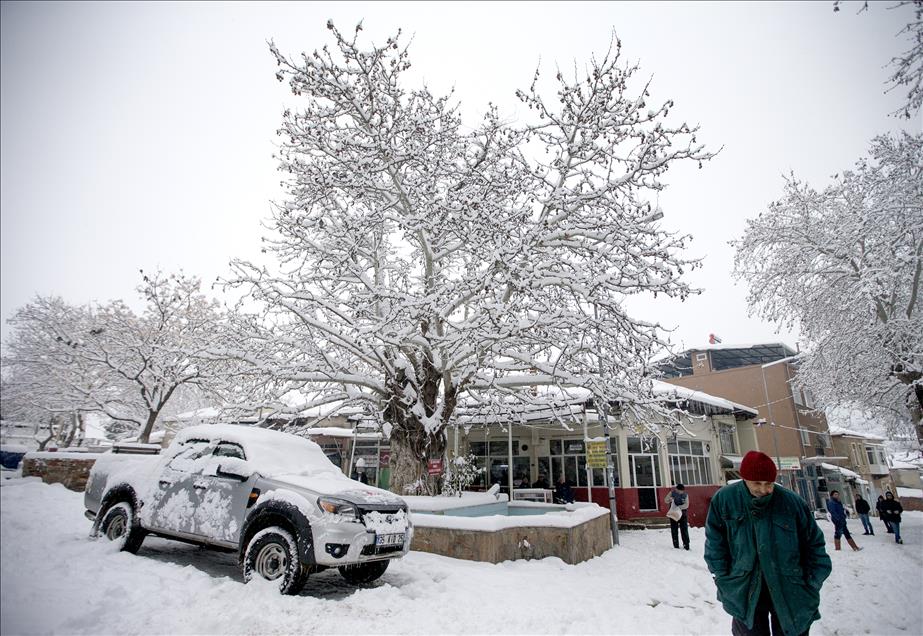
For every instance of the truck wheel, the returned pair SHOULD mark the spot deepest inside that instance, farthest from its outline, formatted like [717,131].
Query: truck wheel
[119,523]
[273,555]
[359,573]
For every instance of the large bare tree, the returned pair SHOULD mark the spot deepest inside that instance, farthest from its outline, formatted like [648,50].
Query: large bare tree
[422,261]
[844,266]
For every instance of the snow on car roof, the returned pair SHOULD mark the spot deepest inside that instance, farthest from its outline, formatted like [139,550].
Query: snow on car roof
[269,452]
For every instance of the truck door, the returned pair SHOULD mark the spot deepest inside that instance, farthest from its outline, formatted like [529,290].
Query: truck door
[223,507]
[175,497]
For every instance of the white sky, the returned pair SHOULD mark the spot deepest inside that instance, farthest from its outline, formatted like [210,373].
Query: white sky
[139,136]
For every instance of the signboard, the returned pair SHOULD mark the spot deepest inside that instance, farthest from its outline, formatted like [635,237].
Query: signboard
[789,463]
[596,454]
[384,458]
[434,466]
[573,447]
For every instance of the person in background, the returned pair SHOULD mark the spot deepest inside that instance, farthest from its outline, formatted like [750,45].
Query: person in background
[881,514]
[563,493]
[523,481]
[838,517]
[678,497]
[863,509]
[766,553]
[541,482]
[891,511]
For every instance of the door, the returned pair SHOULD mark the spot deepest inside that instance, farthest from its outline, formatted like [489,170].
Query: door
[223,498]
[644,481]
[175,497]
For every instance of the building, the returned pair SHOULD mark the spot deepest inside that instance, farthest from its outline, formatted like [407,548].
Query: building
[760,375]
[866,458]
[552,440]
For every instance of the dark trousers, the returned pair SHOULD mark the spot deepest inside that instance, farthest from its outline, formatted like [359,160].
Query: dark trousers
[763,620]
[683,526]
[840,530]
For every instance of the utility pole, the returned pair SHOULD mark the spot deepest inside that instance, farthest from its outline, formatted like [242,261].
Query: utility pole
[602,410]
[610,474]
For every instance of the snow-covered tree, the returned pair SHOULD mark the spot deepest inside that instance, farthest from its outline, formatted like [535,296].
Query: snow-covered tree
[906,67]
[421,260]
[109,360]
[844,264]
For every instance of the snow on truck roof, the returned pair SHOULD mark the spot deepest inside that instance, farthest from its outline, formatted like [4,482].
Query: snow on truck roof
[270,452]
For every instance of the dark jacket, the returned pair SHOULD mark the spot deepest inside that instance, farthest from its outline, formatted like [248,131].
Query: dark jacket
[563,493]
[891,510]
[837,512]
[776,538]
[862,507]
[878,506]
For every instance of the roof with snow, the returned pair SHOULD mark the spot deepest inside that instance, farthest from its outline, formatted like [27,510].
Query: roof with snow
[727,356]
[560,402]
[839,431]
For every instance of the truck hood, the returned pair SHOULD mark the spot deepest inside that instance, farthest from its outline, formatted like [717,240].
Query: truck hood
[340,486]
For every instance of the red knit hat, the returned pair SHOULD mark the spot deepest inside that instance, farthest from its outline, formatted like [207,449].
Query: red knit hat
[757,466]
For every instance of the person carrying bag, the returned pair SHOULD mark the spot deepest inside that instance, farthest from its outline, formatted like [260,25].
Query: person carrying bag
[679,520]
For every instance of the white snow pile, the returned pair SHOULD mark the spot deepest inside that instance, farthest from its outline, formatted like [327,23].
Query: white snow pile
[55,580]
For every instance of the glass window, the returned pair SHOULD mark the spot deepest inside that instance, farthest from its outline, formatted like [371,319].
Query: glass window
[226,449]
[805,436]
[728,439]
[690,465]
[501,449]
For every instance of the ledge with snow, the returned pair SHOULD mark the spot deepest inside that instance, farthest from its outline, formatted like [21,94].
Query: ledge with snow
[484,527]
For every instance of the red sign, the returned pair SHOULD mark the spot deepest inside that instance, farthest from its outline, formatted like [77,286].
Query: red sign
[384,458]
[434,466]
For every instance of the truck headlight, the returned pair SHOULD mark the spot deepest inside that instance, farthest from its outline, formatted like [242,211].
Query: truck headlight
[337,507]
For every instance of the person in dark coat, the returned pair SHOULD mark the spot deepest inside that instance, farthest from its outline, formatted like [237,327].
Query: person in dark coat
[879,506]
[863,509]
[891,511]
[766,553]
[678,497]
[563,493]
[541,482]
[838,517]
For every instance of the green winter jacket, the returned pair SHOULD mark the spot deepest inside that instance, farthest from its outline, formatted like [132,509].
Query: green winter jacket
[774,537]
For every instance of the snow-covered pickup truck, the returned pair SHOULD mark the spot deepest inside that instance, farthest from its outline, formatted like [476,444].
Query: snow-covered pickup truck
[273,498]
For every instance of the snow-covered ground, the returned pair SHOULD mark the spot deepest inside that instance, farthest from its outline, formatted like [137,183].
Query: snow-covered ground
[54,580]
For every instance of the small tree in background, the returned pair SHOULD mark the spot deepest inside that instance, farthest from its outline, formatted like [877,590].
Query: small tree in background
[106,359]
[461,472]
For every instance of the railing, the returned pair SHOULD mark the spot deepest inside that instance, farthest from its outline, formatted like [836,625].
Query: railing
[533,494]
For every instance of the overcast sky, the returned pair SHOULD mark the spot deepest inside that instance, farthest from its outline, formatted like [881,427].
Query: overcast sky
[140,136]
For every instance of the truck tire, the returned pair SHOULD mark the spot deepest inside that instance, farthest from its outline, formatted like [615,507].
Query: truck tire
[360,573]
[119,523]
[273,555]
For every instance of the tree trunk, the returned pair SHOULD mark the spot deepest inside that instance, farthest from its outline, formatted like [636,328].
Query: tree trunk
[148,427]
[411,449]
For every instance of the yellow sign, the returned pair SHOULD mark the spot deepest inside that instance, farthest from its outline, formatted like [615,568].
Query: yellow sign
[596,454]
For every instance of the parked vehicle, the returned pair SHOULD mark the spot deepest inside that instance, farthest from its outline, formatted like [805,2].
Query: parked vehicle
[273,498]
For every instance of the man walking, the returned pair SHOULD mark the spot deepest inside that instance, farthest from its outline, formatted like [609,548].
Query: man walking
[891,511]
[863,509]
[766,553]
[678,501]
[838,517]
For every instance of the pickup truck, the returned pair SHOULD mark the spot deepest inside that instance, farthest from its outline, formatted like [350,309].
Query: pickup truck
[271,497]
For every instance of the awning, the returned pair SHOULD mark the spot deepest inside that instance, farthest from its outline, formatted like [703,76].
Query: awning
[820,459]
[847,474]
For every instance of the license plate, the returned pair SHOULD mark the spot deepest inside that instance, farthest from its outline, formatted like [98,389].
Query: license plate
[389,539]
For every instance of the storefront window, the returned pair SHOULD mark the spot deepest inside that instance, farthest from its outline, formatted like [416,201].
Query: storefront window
[494,457]
[689,463]
[568,457]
